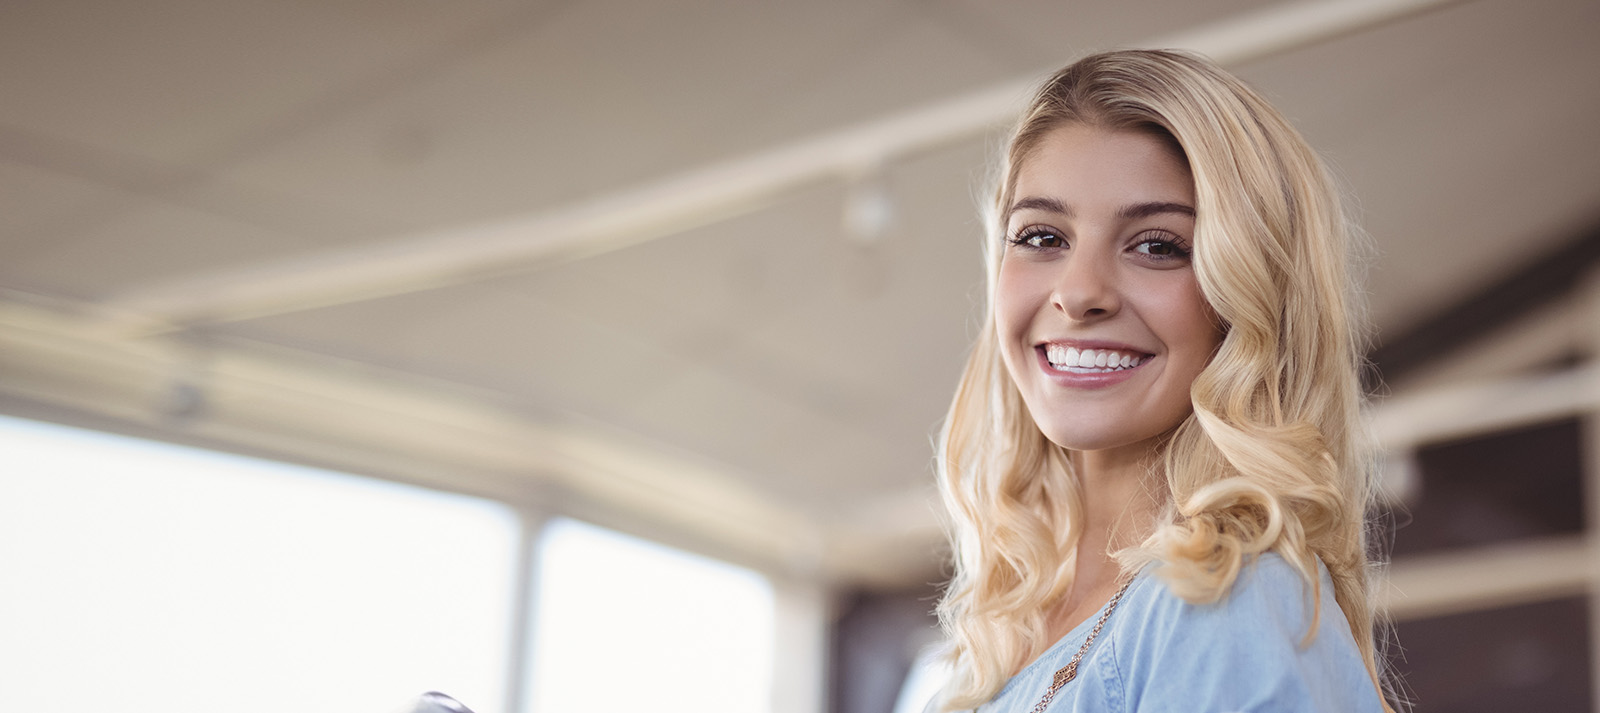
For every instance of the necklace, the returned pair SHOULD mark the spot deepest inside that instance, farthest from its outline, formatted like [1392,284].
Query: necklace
[1070,671]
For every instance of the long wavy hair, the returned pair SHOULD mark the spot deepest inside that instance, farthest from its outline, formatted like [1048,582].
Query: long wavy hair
[1273,456]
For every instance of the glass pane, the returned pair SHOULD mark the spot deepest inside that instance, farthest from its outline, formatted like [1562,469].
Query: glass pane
[628,625]
[141,576]
[1493,488]
[1527,657]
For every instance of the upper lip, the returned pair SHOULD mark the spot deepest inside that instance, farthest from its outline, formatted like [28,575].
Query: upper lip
[1082,344]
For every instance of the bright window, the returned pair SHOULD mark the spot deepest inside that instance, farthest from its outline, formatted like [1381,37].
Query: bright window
[138,576]
[629,625]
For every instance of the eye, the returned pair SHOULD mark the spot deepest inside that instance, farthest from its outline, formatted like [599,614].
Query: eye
[1038,237]
[1161,245]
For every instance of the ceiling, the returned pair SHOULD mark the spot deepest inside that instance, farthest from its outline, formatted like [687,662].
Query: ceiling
[380,197]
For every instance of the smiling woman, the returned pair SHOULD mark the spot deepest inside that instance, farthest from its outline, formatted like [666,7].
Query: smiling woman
[1160,418]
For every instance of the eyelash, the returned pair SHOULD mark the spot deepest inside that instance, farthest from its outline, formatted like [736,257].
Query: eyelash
[1161,237]
[1024,236]
[1180,250]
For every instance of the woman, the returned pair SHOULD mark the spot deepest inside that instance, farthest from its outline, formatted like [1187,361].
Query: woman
[1153,460]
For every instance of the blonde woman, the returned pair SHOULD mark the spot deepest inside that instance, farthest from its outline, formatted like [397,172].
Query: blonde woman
[1153,462]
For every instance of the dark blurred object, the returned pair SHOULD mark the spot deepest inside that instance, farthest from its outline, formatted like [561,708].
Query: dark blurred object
[436,702]
[876,639]
[1530,657]
[1511,485]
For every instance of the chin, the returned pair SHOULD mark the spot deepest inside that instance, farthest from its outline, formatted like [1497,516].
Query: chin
[1079,438]
[1094,437]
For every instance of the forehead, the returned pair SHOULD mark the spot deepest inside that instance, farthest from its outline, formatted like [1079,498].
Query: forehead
[1087,167]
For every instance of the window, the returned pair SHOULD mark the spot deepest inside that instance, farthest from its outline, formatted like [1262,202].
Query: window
[629,625]
[140,576]
[1517,484]
[1526,657]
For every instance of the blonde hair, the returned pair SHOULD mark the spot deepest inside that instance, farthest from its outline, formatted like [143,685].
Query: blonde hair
[1272,458]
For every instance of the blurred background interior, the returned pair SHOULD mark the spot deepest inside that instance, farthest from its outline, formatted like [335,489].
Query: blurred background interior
[566,356]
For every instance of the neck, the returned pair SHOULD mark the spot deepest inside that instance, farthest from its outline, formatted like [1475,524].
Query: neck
[1121,499]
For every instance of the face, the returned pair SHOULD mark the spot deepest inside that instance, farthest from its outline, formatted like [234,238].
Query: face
[1101,320]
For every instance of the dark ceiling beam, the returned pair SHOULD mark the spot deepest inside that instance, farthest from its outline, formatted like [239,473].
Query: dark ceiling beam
[1538,282]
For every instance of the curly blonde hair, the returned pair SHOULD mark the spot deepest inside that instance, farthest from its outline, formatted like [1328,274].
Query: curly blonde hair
[1273,456]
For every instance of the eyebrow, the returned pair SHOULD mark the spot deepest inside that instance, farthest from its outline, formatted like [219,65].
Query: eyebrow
[1145,210]
[1049,205]
[1129,212]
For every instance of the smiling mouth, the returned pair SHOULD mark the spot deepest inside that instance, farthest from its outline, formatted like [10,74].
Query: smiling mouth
[1091,361]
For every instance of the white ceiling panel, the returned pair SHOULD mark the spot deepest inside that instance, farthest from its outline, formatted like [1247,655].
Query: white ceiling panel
[189,81]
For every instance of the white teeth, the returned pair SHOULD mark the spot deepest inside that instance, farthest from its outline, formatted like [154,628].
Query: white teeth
[1063,357]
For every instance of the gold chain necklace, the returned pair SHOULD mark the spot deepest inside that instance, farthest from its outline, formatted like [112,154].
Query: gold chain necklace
[1070,671]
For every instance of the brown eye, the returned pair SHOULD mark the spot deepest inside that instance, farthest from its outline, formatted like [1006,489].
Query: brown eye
[1162,246]
[1038,237]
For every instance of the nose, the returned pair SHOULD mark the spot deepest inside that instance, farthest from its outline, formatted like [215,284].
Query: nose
[1087,289]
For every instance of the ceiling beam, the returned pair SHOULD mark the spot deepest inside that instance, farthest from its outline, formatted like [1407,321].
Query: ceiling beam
[230,394]
[1487,577]
[680,202]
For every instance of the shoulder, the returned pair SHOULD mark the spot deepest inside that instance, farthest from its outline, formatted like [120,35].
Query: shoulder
[1247,651]
[1269,595]
[1263,618]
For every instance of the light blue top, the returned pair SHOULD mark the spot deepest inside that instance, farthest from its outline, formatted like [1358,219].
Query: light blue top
[1160,653]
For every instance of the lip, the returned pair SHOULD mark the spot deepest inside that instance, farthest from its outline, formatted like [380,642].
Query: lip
[1073,380]
[1092,344]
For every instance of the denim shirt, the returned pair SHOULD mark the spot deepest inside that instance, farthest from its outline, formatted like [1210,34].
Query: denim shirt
[1243,653]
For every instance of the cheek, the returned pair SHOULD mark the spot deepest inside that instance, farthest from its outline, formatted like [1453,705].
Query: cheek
[1016,298]
[1015,308]
[1190,325]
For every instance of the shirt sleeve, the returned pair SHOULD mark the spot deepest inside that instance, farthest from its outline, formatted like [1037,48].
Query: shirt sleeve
[1244,653]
